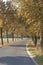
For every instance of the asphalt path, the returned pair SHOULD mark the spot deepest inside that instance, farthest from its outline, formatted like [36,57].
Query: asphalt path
[15,54]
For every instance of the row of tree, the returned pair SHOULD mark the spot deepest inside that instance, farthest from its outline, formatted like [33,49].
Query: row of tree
[33,13]
[22,18]
[9,20]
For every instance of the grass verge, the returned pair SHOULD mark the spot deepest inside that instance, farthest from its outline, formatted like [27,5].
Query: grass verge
[36,52]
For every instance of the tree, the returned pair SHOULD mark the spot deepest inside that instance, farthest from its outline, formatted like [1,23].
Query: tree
[9,18]
[2,10]
[34,15]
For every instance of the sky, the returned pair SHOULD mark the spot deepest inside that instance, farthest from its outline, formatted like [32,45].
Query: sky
[16,4]
[4,0]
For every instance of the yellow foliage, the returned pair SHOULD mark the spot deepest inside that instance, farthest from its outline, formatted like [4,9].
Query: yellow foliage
[1,22]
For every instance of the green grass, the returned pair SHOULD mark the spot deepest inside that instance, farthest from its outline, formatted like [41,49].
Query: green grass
[37,57]
[36,53]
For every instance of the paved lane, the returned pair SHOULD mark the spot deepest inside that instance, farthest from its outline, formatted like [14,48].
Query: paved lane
[15,54]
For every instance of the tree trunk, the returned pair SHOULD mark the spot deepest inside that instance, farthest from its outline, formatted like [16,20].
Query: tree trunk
[34,39]
[35,42]
[41,35]
[7,36]
[42,43]
[21,36]
[13,37]
[1,36]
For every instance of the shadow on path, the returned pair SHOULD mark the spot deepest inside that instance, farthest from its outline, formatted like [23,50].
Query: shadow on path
[17,45]
[18,60]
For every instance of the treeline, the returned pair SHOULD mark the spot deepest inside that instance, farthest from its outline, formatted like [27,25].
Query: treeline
[23,18]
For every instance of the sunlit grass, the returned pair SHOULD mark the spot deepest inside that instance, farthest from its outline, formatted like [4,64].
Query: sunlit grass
[10,41]
[36,52]
[0,45]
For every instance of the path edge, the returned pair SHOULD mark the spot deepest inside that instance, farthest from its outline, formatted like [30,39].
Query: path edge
[29,53]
